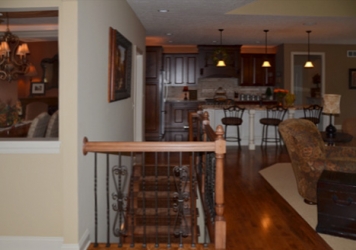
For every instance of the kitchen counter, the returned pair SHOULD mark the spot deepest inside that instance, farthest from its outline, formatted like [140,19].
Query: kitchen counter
[251,128]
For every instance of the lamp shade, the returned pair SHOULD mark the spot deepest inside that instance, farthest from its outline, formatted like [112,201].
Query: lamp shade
[31,70]
[331,104]
[5,46]
[266,64]
[308,64]
[221,63]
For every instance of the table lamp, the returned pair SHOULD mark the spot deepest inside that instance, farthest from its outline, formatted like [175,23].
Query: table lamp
[331,107]
[185,90]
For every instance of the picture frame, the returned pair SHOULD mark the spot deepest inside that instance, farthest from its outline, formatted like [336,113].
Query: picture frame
[37,88]
[120,60]
[352,78]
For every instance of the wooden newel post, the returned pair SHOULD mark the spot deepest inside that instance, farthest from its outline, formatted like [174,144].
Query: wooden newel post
[220,223]
[205,122]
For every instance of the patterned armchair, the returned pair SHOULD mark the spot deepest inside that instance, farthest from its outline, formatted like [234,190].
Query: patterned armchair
[310,156]
[349,126]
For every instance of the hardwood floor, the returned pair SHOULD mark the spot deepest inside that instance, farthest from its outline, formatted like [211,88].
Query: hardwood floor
[257,216]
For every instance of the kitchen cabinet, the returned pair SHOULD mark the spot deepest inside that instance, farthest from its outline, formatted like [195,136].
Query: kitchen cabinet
[181,69]
[176,119]
[208,56]
[252,72]
[153,115]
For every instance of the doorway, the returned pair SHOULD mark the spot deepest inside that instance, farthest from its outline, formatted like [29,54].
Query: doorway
[308,84]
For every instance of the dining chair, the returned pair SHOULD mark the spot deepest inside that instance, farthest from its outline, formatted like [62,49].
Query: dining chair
[38,126]
[52,128]
[33,109]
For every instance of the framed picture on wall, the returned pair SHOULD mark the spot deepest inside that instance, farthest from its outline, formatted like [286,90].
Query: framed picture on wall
[352,78]
[37,88]
[120,58]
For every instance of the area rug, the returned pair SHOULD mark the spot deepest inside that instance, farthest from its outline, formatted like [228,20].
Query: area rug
[281,178]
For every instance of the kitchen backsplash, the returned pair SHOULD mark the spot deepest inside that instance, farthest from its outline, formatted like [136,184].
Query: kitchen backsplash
[207,87]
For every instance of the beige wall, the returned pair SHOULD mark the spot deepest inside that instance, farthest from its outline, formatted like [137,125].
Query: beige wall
[337,65]
[52,195]
[97,118]
[31,184]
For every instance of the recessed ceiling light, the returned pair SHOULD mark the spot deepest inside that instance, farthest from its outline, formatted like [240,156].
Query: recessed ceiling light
[168,34]
[1,14]
[163,11]
[170,41]
[309,24]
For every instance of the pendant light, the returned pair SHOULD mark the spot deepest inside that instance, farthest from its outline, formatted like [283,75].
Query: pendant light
[221,62]
[266,63]
[13,61]
[308,63]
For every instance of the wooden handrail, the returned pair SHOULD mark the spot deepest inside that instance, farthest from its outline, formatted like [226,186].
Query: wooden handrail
[112,147]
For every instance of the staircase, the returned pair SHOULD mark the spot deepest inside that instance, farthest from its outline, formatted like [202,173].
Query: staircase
[162,209]
[159,211]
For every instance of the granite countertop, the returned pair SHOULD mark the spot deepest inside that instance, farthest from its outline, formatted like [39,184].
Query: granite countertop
[246,106]
[181,100]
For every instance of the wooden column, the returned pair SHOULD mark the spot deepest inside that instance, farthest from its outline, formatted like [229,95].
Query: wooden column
[220,223]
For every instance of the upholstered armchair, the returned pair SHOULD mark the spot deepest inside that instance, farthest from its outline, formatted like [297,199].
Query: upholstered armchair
[310,156]
[349,126]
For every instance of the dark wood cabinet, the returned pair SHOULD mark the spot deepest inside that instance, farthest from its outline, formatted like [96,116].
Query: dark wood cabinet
[176,119]
[153,128]
[252,72]
[181,69]
[208,57]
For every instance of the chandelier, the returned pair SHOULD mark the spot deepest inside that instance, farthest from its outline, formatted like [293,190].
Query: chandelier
[12,56]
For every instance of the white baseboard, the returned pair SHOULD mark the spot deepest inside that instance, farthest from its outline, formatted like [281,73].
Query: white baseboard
[84,241]
[42,243]
[30,243]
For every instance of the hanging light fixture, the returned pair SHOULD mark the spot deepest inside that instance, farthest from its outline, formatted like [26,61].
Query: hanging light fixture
[266,63]
[308,63]
[12,56]
[221,62]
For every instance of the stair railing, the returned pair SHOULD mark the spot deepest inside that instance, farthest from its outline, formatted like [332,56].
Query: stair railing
[213,144]
[210,176]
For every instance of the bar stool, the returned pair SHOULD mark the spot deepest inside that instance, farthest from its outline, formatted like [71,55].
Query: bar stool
[274,116]
[233,117]
[312,113]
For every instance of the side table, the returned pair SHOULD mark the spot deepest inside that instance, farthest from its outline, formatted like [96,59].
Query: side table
[339,138]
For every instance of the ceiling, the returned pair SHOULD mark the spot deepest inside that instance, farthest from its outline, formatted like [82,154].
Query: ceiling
[243,21]
[31,25]
[192,22]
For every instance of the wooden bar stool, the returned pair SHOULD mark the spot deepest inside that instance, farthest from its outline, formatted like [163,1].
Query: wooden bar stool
[233,117]
[274,116]
[313,113]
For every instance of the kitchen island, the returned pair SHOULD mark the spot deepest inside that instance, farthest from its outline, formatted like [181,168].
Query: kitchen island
[251,128]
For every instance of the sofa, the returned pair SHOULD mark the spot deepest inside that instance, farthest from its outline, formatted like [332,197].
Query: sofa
[310,156]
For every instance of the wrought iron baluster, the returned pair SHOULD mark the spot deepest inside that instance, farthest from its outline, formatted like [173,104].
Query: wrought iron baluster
[107,203]
[144,243]
[180,196]
[169,199]
[192,198]
[96,198]
[132,210]
[210,185]
[120,206]
[156,199]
